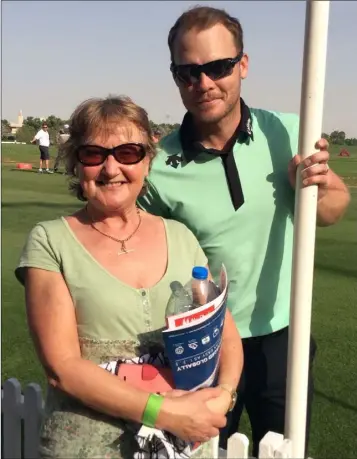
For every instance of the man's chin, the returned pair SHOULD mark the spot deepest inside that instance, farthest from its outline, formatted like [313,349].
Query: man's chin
[208,117]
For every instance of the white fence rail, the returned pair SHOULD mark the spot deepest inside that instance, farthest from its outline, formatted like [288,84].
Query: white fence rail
[272,446]
[21,421]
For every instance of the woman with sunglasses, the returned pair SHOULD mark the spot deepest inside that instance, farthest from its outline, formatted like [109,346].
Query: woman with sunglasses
[97,284]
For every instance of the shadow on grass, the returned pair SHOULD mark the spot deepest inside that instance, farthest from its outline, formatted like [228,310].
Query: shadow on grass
[336,401]
[342,271]
[35,170]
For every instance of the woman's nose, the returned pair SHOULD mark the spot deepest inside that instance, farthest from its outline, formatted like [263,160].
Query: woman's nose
[111,166]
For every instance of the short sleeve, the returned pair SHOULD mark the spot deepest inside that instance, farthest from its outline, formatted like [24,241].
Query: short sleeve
[294,135]
[152,202]
[37,253]
[200,257]
[38,135]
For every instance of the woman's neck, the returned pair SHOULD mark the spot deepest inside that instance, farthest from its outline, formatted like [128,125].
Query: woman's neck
[116,219]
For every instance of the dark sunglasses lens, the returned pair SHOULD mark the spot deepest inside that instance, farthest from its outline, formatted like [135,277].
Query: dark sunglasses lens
[91,155]
[215,70]
[184,74]
[218,69]
[129,154]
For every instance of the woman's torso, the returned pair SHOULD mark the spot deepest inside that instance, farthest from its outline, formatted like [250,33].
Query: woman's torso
[114,321]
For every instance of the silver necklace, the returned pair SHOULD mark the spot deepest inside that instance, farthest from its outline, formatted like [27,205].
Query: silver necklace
[123,249]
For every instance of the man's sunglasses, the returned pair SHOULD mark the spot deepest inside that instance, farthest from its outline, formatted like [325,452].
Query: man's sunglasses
[127,153]
[215,70]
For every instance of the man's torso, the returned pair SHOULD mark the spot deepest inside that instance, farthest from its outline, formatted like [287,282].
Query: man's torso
[43,138]
[255,241]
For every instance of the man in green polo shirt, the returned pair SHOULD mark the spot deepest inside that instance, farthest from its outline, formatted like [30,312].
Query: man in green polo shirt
[229,174]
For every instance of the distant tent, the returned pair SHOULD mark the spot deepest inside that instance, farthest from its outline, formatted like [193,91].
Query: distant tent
[344,153]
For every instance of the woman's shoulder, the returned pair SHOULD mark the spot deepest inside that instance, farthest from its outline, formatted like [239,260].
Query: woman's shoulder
[48,227]
[180,230]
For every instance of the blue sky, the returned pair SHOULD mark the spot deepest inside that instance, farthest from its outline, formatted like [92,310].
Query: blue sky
[56,54]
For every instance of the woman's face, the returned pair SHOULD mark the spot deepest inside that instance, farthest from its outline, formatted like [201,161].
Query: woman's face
[113,186]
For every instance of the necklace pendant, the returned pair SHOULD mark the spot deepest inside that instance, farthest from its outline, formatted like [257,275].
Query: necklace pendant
[124,252]
[123,249]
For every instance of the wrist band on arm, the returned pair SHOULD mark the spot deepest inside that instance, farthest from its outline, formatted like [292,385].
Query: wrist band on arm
[152,410]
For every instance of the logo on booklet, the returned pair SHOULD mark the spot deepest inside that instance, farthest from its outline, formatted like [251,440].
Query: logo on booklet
[193,345]
[179,350]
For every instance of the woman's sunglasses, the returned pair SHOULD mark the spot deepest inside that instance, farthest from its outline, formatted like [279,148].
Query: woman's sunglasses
[215,70]
[127,153]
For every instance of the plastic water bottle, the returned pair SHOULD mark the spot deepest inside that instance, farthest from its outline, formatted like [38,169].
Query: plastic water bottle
[197,292]
[180,300]
[199,286]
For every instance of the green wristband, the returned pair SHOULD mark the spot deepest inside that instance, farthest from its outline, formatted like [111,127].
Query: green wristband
[152,410]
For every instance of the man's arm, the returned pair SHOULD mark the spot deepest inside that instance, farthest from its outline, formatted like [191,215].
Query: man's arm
[332,204]
[333,194]
[36,137]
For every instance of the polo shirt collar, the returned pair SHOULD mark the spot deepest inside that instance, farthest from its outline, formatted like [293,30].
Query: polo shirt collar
[191,148]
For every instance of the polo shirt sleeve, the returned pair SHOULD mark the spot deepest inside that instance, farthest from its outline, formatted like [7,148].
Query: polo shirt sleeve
[37,253]
[153,203]
[294,135]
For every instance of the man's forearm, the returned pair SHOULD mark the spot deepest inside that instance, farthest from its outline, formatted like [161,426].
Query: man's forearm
[332,206]
[231,357]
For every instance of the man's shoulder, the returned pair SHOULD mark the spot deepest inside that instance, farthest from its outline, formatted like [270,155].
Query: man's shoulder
[169,147]
[271,119]
[171,143]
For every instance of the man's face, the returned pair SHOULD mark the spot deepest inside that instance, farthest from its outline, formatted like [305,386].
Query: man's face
[209,101]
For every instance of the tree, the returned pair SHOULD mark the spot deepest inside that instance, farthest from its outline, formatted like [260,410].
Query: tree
[5,127]
[53,122]
[337,137]
[25,133]
[351,142]
[32,122]
[325,136]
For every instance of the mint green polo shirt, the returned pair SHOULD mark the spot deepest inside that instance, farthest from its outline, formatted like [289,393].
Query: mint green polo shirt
[255,241]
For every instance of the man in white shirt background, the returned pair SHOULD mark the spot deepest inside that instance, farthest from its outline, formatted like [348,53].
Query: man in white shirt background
[43,140]
[62,138]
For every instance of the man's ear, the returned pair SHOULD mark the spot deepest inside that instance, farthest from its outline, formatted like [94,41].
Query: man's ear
[243,66]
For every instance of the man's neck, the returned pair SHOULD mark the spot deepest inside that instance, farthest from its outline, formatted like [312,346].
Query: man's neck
[218,135]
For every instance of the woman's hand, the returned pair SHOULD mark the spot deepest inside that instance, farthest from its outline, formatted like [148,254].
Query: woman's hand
[188,416]
[174,393]
[221,404]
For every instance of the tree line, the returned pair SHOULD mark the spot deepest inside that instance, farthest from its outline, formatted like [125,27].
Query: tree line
[339,138]
[31,125]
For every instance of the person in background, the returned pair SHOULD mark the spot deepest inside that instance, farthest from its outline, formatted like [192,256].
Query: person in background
[228,173]
[97,284]
[157,135]
[62,137]
[43,139]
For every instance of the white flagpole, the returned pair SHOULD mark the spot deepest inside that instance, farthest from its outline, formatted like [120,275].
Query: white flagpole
[311,109]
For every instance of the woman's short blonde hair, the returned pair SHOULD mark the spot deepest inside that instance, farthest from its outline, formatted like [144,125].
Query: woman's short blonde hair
[100,117]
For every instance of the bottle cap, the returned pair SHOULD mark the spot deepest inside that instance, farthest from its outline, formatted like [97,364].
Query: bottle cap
[200,272]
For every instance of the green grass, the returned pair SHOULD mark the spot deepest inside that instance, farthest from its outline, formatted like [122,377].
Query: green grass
[28,198]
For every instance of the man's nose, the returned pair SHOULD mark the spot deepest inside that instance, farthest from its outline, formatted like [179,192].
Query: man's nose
[205,83]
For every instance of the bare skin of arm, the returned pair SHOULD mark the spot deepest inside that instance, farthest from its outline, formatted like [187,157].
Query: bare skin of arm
[333,195]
